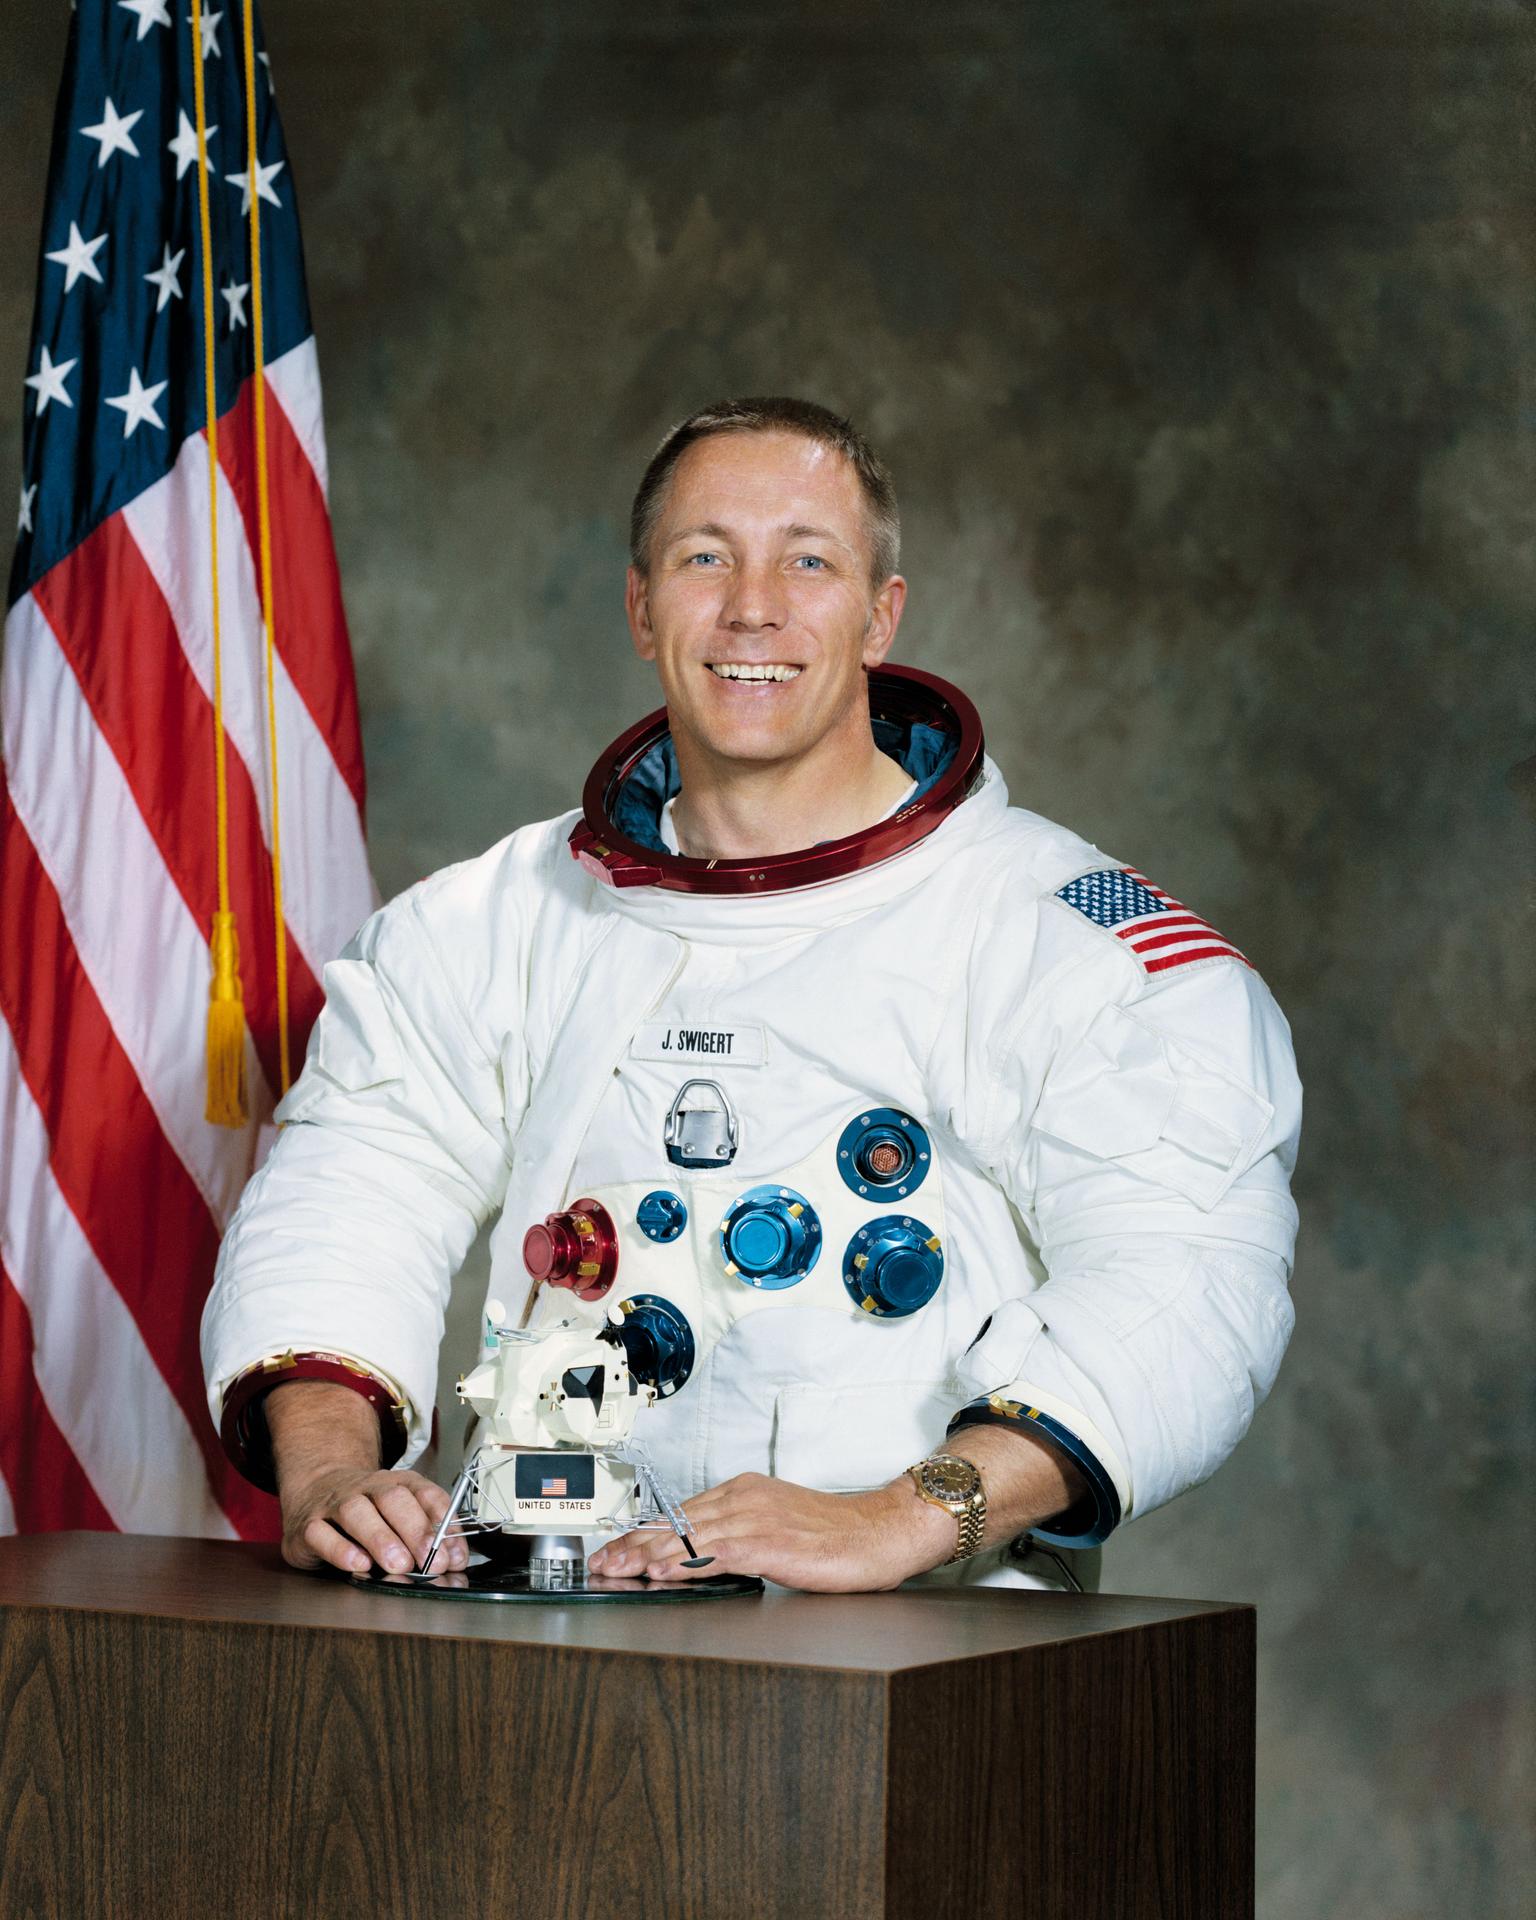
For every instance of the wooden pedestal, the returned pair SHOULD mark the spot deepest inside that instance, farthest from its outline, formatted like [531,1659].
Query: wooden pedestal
[190,1729]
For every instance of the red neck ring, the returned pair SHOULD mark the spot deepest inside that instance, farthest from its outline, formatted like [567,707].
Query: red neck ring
[901,694]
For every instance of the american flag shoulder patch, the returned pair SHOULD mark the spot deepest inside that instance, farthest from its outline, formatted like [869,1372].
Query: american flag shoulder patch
[1159,930]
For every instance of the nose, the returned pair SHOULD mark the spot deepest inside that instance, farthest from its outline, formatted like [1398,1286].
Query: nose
[756,601]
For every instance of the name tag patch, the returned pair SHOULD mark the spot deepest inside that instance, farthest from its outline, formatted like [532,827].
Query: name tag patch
[665,1040]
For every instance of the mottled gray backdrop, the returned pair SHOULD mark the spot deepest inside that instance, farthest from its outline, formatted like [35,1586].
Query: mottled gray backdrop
[1199,337]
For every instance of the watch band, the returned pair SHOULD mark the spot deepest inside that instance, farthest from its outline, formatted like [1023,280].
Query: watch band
[969,1511]
[973,1527]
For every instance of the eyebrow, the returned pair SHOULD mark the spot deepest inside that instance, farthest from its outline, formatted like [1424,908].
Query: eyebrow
[798,531]
[711,527]
[817,533]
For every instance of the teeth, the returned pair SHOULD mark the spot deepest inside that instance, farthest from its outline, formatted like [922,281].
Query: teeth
[733,670]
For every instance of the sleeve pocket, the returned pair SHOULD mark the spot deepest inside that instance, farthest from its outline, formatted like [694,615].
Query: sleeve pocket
[1135,1096]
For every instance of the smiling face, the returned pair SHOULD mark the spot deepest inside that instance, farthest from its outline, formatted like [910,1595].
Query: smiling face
[757,605]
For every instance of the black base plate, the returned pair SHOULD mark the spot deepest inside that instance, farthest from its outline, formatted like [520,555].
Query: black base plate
[490,1581]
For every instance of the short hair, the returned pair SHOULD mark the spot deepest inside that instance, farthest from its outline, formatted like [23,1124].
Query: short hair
[774,414]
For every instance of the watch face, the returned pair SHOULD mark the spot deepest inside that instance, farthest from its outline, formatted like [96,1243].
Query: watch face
[950,1479]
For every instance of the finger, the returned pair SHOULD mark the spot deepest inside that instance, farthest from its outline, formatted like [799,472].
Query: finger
[403,1508]
[722,1556]
[634,1553]
[454,1552]
[703,1513]
[361,1518]
[617,1552]
[319,1544]
[637,1542]
[663,1556]
[622,1542]
[452,1555]
[706,1512]
[744,1542]
[433,1498]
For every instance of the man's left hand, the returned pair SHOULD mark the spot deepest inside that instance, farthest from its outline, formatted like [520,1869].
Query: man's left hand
[819,1542]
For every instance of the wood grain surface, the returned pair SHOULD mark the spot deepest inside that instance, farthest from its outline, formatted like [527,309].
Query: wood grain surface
[1114,1779]
[164,1755]
[216,1580]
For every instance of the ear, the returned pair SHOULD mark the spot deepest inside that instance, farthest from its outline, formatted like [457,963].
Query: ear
[637,610]
[884,618]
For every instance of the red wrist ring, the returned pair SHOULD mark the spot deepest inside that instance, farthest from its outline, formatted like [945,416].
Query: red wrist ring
[243,1422]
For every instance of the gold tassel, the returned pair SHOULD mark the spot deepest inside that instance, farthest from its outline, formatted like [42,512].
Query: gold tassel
[226,1030]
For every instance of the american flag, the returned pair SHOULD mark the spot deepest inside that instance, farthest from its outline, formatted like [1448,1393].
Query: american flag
[552,1489]
[1159,930]
[114,1188]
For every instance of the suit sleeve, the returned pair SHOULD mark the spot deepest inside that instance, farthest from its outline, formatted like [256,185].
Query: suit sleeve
[1145,1128]
[394,1149]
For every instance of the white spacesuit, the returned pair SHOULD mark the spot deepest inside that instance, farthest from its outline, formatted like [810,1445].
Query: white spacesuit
[954,1120]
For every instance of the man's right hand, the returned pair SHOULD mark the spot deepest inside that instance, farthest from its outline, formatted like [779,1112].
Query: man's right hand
[340,1508]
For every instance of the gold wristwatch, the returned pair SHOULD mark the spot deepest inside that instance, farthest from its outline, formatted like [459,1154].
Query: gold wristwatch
[945,1480]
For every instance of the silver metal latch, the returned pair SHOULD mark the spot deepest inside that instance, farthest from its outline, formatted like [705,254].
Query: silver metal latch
[701,1129]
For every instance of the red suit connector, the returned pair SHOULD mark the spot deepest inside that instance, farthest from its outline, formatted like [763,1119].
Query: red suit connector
[578,1248]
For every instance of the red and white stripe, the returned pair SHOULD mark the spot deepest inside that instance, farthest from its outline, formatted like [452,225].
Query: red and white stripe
[113,1188]
[1174,938]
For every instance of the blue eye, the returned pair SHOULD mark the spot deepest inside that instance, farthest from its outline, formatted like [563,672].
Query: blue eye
[810,560]
[695,558]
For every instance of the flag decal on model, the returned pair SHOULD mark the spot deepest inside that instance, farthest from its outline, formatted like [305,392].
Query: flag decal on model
[552,1489]
[1159,930]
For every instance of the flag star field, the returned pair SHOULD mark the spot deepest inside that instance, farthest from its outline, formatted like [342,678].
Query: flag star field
[121,204]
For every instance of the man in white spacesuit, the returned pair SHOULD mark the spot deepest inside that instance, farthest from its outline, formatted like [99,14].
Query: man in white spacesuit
[947,1158]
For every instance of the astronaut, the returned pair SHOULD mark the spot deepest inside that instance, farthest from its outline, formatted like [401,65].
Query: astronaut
[936,1162]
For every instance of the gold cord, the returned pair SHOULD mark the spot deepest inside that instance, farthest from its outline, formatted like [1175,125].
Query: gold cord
[226,1104]
[264,529]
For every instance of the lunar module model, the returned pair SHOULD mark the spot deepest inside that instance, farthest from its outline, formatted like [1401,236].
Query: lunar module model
[557,1456]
